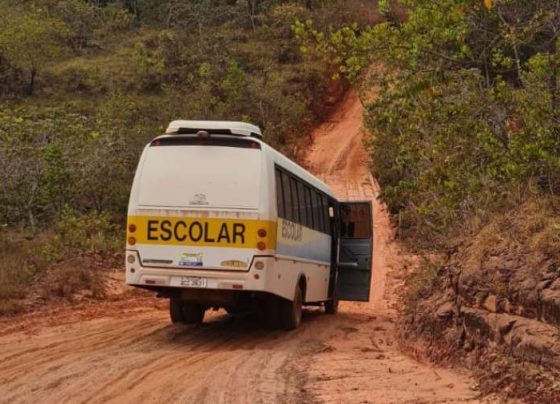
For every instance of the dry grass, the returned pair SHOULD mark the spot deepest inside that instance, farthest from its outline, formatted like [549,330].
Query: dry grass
[533,227]
[38,267]
[421,283]
[20,260]
[67,281]
[497,371]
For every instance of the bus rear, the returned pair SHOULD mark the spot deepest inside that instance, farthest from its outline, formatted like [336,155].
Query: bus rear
[199,230]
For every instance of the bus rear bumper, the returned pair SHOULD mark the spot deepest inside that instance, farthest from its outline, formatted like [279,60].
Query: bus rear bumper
[193,278]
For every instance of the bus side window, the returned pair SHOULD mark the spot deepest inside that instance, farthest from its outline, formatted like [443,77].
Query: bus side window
[302,205]
[309,205]
[279,194]
[295,202]
[319,226]
[288,205]
[326,213]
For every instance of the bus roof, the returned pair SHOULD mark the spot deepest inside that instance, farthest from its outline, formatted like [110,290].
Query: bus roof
[216,127]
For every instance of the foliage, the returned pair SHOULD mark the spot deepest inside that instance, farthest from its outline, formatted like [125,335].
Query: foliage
[73,233]
[348,49]
[466,108]
[50,158]
[84,84]
[29,41]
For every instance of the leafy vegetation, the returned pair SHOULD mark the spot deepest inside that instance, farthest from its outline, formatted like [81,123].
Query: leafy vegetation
[84,84]
[466,116]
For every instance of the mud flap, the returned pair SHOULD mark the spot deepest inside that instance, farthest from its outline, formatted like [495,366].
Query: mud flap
[355,248]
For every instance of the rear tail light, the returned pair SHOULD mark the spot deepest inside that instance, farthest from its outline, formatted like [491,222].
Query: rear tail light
[261,246]
[262,232]
[131,240]
[132,227]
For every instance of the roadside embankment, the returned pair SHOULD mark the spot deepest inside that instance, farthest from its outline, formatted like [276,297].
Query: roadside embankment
[495,301]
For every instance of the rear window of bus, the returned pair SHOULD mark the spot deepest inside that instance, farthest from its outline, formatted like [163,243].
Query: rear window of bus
[213,173]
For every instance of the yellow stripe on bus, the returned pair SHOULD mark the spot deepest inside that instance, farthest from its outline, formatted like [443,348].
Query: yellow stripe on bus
[192,231]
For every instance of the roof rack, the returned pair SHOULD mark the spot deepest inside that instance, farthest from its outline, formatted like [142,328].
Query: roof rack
[181,127]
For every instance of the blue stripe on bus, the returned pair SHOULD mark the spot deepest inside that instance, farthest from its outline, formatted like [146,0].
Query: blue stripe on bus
[318,249]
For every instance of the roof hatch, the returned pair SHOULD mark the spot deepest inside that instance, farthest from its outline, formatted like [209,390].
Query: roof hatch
[181,127]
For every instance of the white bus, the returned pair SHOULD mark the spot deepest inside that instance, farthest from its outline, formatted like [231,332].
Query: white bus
[219,219]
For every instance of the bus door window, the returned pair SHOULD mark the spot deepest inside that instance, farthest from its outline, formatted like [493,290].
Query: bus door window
[354,221]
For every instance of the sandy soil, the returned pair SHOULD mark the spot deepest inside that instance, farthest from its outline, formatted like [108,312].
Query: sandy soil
[130,352]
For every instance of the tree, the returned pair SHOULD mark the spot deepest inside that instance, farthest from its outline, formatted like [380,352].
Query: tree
[31,41]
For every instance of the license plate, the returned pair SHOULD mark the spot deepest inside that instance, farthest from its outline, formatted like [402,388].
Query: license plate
[192,282]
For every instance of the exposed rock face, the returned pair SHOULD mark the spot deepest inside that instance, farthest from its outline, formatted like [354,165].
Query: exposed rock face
[509,304]
[499,292]
[524,338]
[550,304]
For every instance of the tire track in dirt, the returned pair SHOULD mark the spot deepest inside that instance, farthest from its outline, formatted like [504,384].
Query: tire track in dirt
[135,355]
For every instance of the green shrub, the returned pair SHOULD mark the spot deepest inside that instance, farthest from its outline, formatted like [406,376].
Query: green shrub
[91,232]
[461,120]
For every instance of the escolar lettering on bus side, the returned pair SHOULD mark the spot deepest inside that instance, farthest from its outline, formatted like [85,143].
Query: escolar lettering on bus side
[291,230]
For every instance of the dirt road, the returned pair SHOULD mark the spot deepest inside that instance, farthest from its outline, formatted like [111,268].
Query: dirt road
[133,354]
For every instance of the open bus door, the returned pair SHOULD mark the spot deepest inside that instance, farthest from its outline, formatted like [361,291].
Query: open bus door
[355,248]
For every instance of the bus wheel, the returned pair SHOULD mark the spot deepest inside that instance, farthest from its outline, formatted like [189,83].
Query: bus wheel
[291,311]
[176,310]
[331,306]
[193,313]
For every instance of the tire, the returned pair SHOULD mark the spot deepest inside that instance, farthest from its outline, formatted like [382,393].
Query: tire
[331,306]
[176,310]
[193,313]
[291,311]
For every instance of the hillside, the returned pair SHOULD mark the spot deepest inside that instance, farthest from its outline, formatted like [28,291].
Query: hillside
[84,85]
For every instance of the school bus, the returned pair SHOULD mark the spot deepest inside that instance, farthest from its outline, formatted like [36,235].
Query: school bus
[219,219]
